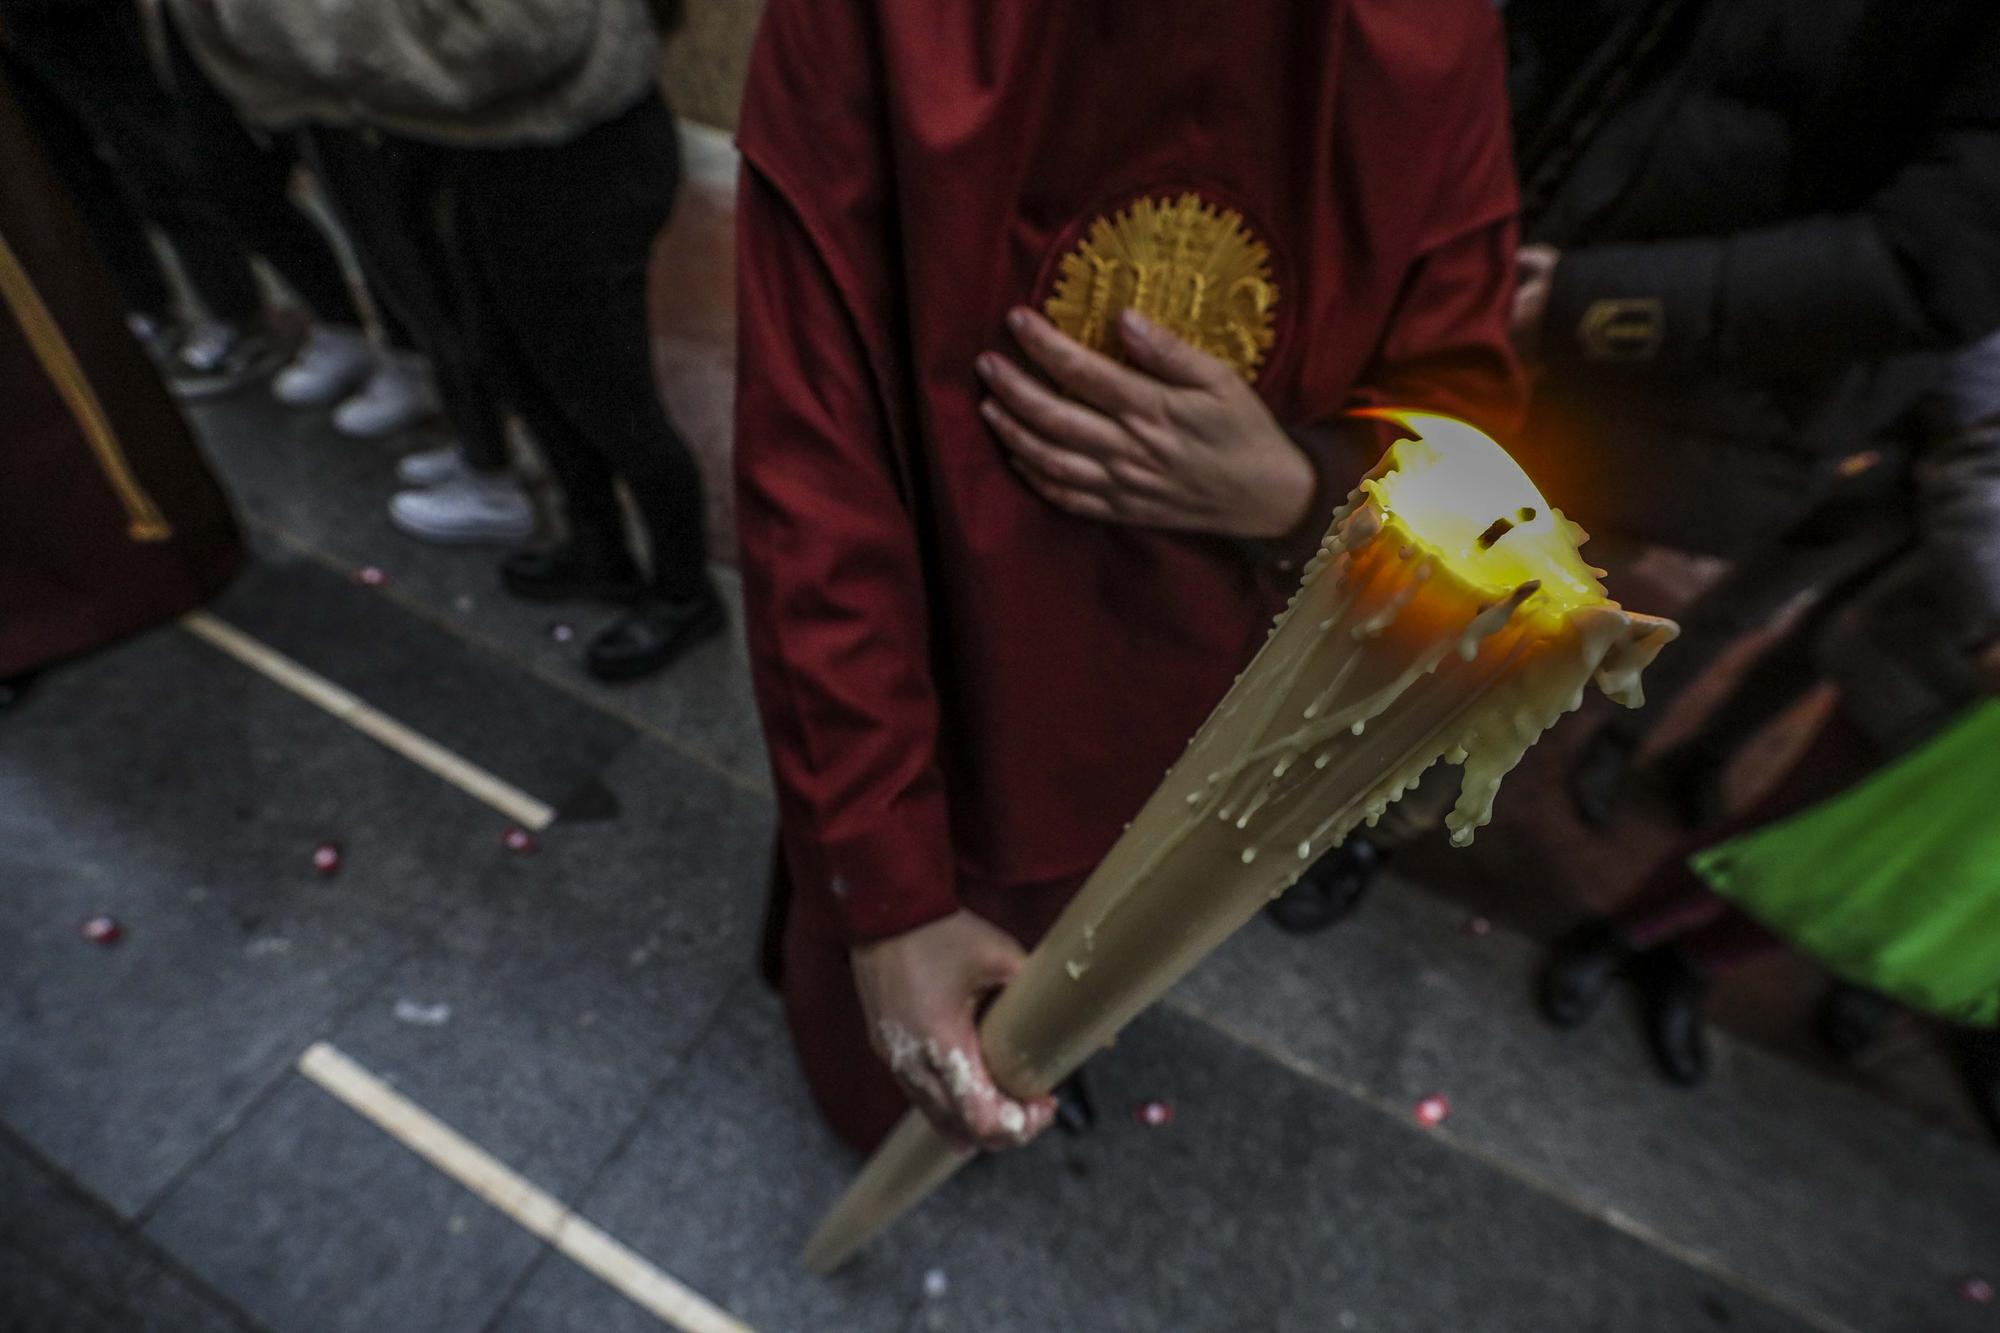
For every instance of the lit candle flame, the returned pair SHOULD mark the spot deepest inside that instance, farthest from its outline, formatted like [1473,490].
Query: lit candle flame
[1473,507]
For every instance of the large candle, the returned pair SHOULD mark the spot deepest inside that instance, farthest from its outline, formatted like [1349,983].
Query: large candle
[1448,616]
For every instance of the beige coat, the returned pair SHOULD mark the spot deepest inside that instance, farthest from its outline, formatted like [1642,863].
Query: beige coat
[475,73]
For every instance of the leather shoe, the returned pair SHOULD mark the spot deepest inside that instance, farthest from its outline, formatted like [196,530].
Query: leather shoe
[1673,990]
[1076,1109]
[559,573]
[1330,890]
[652,636]
[1580,971]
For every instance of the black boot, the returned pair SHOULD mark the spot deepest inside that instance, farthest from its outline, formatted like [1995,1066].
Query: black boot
[1330,889]
[560,573]
[1850,1019]
[1598,778]
[653,635]
[1692,777]
[1076,1109]
[1673,990]
[1978,1057]
[1580,971]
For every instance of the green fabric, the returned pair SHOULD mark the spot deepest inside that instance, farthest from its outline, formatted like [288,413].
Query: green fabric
[1895,884]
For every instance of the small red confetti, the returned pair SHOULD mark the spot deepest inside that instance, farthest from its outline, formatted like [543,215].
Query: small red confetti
[102,930]
[372,575]
[326,858]
[561,631]
[1154,1115]
[1433,1110]
[519,841]
[1478,925]
[1976,1290]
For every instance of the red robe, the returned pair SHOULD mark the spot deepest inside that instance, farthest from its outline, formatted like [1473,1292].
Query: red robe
[109,522]
[966,692]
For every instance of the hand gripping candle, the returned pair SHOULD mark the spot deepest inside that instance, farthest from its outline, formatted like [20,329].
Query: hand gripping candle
[1448,616]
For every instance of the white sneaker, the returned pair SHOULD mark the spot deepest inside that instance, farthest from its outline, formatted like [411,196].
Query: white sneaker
[471,508]
[432,467]
[329,362]
[217,357]
[397,396]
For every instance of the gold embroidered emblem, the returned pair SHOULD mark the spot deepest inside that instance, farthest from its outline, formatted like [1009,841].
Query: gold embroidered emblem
[1186,264]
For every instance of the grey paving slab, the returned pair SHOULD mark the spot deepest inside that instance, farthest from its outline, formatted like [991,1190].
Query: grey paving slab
[476,705]
[720,1189]
[1268,1204]
[548,1017]
[1812,1189]
[314,1220]
[67,1264]
[173,789]
[293,474]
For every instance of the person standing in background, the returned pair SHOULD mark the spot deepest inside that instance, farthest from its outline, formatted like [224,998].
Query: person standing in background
[144,141]
[1755,232]
[529,147]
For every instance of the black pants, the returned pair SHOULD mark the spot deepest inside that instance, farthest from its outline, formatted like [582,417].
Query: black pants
[182,162]
[535,260]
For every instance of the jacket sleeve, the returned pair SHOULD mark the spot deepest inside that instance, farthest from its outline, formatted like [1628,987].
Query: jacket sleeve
[1914,267]
[834,591]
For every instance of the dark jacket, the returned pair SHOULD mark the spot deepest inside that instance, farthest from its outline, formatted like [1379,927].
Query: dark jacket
[1903,651]
[1774,215]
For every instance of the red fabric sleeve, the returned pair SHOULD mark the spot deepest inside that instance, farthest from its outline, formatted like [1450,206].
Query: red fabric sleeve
[1446,348]
[833,589]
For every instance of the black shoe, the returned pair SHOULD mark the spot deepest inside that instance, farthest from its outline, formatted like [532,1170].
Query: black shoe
[1076,1109]
[1978,1057]
[1850,1019]
[1580,971]
[559,573]
[1673,989]
[1330,890]
[652,636]
[1692,778]
[1597,779]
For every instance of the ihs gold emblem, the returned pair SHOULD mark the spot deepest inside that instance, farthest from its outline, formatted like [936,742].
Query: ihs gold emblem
[1186,264]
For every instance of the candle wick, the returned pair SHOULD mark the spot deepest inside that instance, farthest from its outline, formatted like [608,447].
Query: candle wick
[1501,527]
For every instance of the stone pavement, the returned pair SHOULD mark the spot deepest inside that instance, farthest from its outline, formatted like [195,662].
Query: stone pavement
[588,1015]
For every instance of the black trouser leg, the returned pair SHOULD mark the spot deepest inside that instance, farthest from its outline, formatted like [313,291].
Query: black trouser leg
[390,195]
[116,230]
[561,237]
[247,179]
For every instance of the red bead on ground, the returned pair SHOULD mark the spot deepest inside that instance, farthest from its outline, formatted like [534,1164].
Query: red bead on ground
[372,575]
[1154,1114]
[1433,1110]
[326,858]
[1975,1290]
[102,930]
[519,841]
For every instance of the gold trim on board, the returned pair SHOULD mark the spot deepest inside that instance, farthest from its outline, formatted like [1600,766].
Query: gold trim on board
[145,521]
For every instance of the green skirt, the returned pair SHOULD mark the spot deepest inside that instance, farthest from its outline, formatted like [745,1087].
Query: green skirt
[1895,884]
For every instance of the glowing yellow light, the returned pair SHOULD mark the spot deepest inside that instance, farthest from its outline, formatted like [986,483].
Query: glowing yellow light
[1462,497]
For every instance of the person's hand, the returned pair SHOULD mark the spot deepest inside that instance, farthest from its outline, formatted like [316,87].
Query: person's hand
[1989,667]
[921,992]
[1534,279]
[1176,440]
